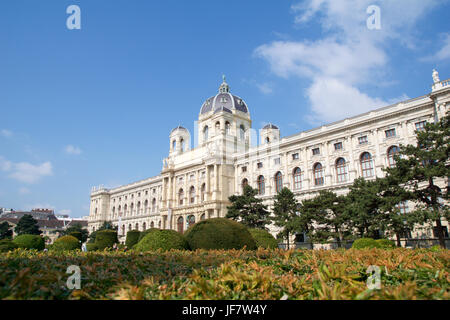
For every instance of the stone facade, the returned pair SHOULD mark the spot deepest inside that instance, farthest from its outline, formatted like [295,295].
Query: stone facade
[195,183]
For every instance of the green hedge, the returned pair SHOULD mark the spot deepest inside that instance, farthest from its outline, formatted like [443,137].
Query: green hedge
[263,238]
[91,247]
[66,243]
[365,243]
[30,241]
[162,239]
[385,243]
[132,238]
[146,232]
[219,233]
[106,239]
[7,245]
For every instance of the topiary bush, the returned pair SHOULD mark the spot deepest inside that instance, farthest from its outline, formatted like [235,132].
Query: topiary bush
[132,238]
[7,245]
[106,239]
[385,243]
[365,243]
[263,238]
[162,239]
[66,243]
[219,233]
[146,232]
[91,247]
[30,241]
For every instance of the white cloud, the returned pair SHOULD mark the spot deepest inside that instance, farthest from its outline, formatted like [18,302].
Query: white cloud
[6,133]
[65,211]
[443,53]
[348,56]
[24,171]
[70,149]
[265,88]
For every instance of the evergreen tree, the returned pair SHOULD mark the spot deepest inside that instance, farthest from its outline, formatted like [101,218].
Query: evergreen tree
[5,231]
[27,225]
[286,214]
[76,228]
[248,210]
[419,166]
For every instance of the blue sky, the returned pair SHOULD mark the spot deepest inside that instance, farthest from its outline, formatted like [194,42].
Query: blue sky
[94,106]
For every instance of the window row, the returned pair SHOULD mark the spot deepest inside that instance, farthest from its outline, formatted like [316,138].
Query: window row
[192,195]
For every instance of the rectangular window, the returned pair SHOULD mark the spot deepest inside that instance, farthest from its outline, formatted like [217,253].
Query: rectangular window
[390,133]
[260,165]
[295,156]
[338,146]
[244,169]
[276,161]
[363,140]
[420,126]
[316,151]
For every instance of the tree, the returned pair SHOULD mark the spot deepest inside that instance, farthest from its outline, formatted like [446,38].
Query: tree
[363,208]
[285,209]
[418,167]
[5,231]
[248,210]
[77,227]
[27,225]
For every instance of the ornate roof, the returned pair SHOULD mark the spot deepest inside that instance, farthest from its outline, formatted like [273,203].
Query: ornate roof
[271,126]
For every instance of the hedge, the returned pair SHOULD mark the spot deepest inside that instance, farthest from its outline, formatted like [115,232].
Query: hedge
[146,232]
[219,233]
[385,243]
[66,243]
[30,241]
[162,239]
[7,245]
[106,239]
[132,238]
[365,243]
[91,247]
[263,238]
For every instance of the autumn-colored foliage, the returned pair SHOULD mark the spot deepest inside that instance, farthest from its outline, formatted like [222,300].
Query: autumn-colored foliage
[231,274]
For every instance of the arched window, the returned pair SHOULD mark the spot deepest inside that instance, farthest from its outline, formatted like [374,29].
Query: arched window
[394,150]
[242,132]
[190,220]
[152,224]
[120,211]
[144,226]
[203,217]
[182,144]
[125,209]
[129,227]
[261,185]
[146,206]
[192,195]
[297,178]
[205,133]
[203,191]
[123,230]
[341,170]
[367,165]
[278,182]
[139,207]
[318,174]
[131,209]
[227,128]
[180,197]
[180,222]
[113,211]
[137,226]
[154,205]
[174,145]
[244,183]
[267,140]
[159,224]
[217,127]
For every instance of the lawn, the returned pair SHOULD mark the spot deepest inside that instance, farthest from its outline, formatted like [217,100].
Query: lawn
[233,274]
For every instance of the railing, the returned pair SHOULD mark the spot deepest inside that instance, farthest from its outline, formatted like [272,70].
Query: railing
[441,85]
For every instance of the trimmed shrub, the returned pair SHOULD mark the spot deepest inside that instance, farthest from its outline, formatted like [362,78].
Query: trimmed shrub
[132,238]
[91,247]
[162,239]
[106,239]
[30,241]
[263,238]
[146,232]
[66,243]
[385,243]
[219,233]
[365,243]
[7,245]
[77,235]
